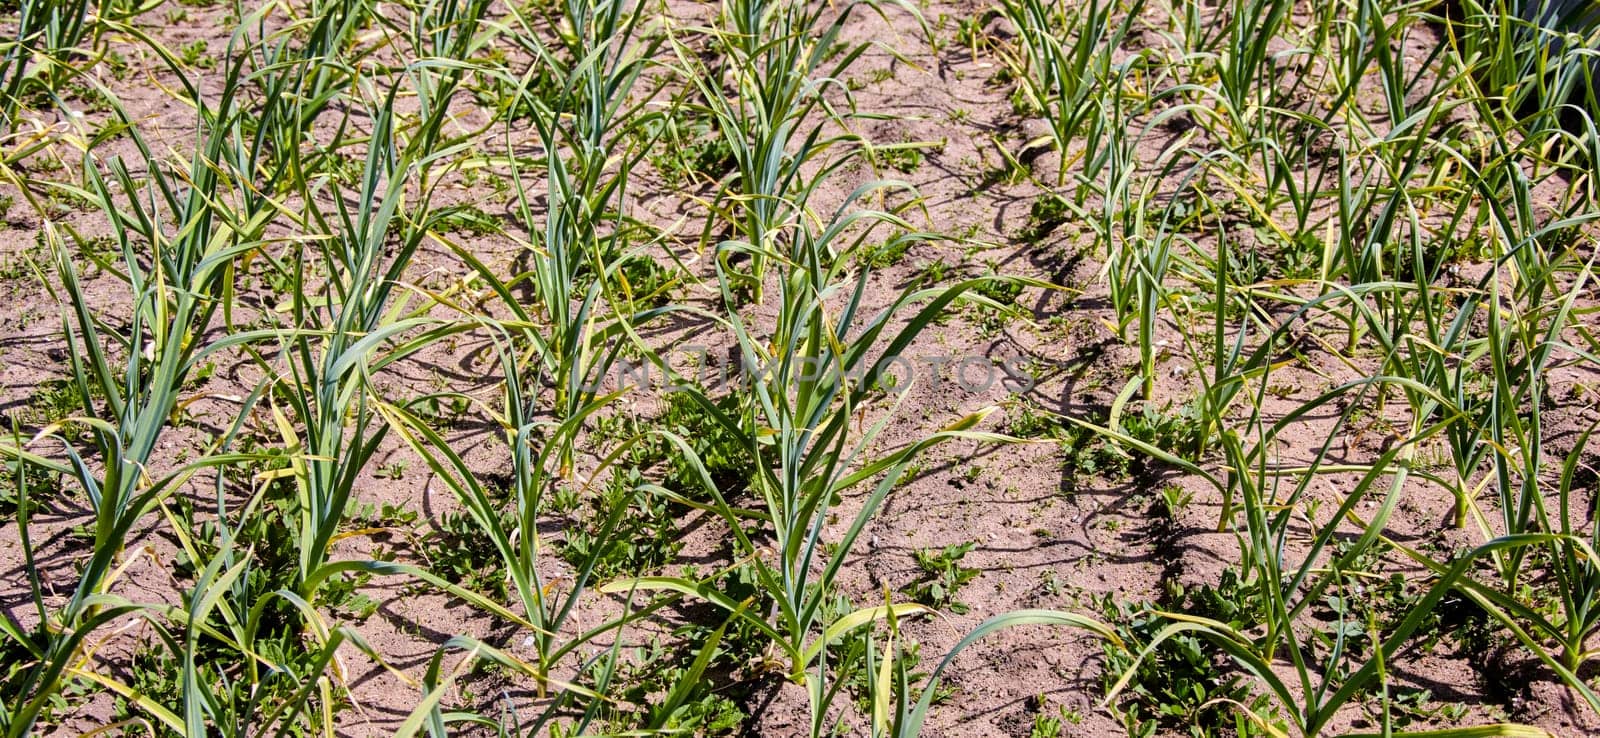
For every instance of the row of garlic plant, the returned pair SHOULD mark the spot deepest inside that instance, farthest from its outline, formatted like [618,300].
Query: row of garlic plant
[1468,362]
[182,236]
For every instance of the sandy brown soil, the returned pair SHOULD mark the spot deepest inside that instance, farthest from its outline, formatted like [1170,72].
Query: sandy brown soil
[1046,535]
